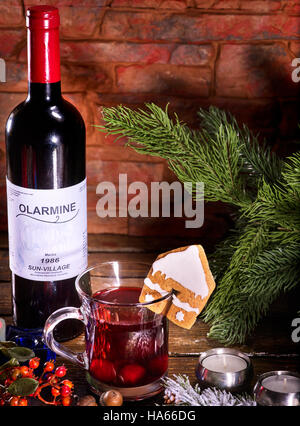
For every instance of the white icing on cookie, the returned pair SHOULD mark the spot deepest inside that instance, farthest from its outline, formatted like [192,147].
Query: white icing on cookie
[184,267]
[149,298]
[155,286]
[184,305]
[179,316]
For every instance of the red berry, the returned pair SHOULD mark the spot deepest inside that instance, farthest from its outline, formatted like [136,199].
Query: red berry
[103,370]
[55,392]
[48,377]
[15,373]
[48,366]
[159,365]
[68,383]
[24,370]
[66,401]
[34,363]
[132,374]
[61,371]
[65,390]
[23,402]
[14,402]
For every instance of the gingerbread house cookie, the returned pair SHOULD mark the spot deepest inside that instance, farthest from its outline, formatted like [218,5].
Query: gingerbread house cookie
[185,272]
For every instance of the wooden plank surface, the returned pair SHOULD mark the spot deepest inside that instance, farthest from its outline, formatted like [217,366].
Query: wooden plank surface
[186,365]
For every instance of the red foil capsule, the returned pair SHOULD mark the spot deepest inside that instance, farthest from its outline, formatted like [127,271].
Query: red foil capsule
[42,24]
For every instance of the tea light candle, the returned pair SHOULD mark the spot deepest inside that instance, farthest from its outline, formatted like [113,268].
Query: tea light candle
[278,388]
[282,383]
[224,368]
[224,363]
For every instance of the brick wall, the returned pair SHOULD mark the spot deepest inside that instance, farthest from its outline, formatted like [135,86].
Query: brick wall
[235,54]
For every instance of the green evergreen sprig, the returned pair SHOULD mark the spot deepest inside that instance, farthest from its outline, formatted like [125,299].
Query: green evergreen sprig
[259,260]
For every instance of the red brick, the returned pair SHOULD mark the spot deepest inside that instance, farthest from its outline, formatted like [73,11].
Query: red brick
[86,77]
[189,81]
[143,4]
[8,101]
[78,18]
[106,225]
[205,27]
[79,22]
[204,4]
[9,41]
[16,77]
[174,4]
[112,152]
[187,54]
[261,6]
[291,6]
[11,13]
[186,108]
[226,4]
[114,198]
[295,48]
[66,3]
[99,171]
[213,230]
[80,102]
[99,52]
[248,71]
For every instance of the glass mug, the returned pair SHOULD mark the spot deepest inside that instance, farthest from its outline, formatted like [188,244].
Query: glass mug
[126,344]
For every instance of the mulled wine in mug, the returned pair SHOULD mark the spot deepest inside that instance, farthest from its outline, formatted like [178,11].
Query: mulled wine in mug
[126,343]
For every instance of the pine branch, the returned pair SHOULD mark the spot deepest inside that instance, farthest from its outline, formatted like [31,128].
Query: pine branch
[237,170]
[255,287]
[278,203]
[192,156]
[245,249]
[257,160]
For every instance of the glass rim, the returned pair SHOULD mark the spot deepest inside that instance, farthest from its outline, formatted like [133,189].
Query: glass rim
[116,304]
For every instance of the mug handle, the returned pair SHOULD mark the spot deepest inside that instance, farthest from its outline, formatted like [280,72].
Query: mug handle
[79,358]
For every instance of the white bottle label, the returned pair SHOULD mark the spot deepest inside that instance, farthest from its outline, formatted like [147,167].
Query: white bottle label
[47,231]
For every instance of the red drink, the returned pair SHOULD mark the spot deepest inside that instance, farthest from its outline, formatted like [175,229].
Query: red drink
[126,341]
[126,347]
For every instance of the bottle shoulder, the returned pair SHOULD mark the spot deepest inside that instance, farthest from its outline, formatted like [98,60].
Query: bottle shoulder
[40,109]
[36,118]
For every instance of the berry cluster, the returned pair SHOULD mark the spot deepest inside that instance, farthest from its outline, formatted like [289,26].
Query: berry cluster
[51,384]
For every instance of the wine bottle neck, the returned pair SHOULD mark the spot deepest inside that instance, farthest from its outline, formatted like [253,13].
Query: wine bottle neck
[43,44]
[44,92]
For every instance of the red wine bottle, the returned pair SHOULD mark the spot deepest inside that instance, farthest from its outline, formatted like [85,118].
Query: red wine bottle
[46,185]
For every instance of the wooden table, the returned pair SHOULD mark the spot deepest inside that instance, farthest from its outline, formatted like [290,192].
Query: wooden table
[270,347]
